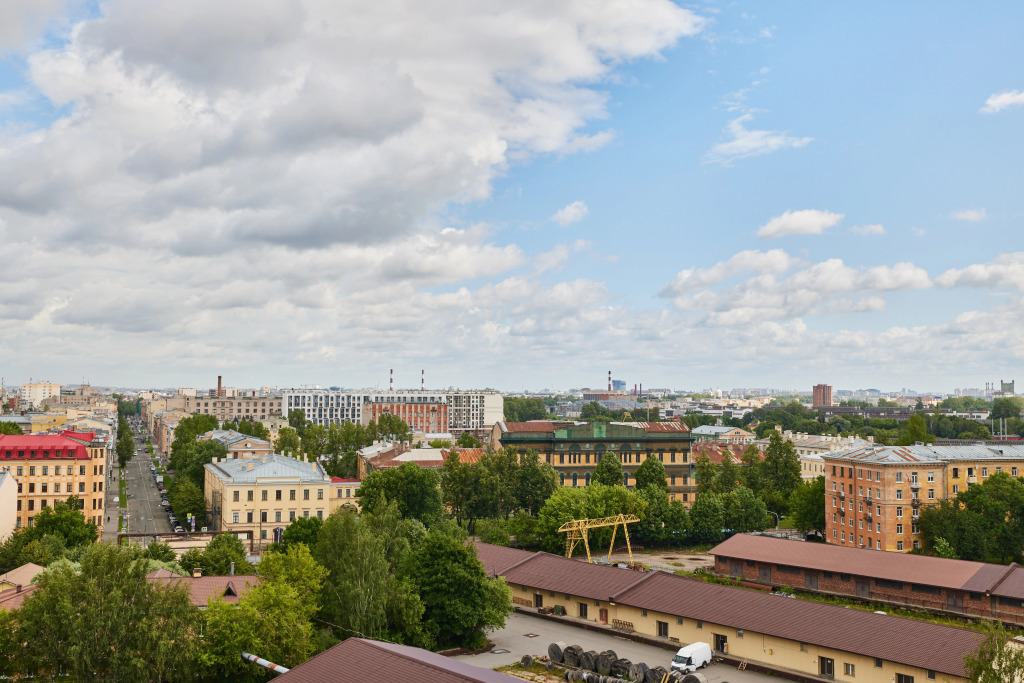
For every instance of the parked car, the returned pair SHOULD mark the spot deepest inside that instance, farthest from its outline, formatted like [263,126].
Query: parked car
[178,529]
[692,657]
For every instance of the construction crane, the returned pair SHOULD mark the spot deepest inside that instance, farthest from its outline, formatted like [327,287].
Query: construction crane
[578,530]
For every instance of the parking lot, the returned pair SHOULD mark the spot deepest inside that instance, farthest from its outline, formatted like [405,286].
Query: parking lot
[529,635]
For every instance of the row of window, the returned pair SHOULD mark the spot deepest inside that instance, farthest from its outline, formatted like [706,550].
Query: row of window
[278,494]
[67,470]
[575,479]
[59,453]
[235,516]
[97,487]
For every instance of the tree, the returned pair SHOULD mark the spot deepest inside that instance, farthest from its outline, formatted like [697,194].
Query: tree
[296,567]
[728,474]
[585,502]
[186,498]
[535,482]
[392,428]
[221,552]
[916,431]
[467,440]
[807,506]
[107,621]
[706,475]
[304,530]
[750,474]
[297,421]
[780,472]
[288,441]
[414,488]
[464,492]
[12,428]
[361,593]
[315,442]
[651,471]
[188,429]
[608,471]
[999,502]
[707,518]
[998,658]
[125,450]
[665,521]
[64,520]
[190,461]
[460,602]
[964,530]
[524,409]
[742,511]
[1008,407]
[161,552]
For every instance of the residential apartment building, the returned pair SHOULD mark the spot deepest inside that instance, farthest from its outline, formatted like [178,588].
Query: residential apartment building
[8,505]
[38,394]
[421,417]
[474,411]
[239,445]
[575,448]
[873,495]
[240,407]
[263,495]
[822,396]
[50,467]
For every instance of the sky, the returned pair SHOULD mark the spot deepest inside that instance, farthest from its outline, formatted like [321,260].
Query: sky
[511,195]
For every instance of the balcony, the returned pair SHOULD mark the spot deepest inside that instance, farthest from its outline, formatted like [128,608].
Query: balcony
[842,494]
[867,515]
[842,512]
[972,479]
[868,496]
[915,485]
[916,503]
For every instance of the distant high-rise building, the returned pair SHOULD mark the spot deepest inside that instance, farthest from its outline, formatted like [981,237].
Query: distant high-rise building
[822,395]
[618,385]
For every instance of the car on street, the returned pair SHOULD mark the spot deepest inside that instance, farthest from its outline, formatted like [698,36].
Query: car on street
[178,529]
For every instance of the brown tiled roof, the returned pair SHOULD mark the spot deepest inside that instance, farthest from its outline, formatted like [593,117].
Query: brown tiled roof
[903,641]
[12,599]
[533,426]
[896,639]
[230,588]
[498,559]
[371,661]
[1010,584]
[467,456]
[23,575]
[562,575]
[716,450]
[931,571]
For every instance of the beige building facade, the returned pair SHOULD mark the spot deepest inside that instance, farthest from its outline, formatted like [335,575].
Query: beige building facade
[8,505]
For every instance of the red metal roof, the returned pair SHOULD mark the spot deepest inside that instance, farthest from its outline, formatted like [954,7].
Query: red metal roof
[339,480]
[498,559]
[467,456]
[81,436]
[52,444]
[562,575]
[370,661]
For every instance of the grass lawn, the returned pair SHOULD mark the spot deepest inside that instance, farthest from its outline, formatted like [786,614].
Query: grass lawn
[122,492]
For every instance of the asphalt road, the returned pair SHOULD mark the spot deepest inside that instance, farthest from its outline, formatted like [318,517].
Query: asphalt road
[145,512]
[514,637]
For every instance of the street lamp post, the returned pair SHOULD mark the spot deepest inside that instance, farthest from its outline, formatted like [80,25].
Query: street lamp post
[777,518]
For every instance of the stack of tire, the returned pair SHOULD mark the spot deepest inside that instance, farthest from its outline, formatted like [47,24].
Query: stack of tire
[606,667]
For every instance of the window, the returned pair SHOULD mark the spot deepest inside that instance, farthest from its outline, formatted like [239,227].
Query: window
[291,515]
[848,669]
[878,662]
[319,514]
[931,675]
[277,515]
[899,528]
[305,494]
[248,517]
[291,495]
[826,667]
[803,647]
[984,471]
[263,516]
[234,518]
[264,494]
[899,513]
[679,620]
[700,624]
[277,494]
[583,610]
[32,470]
[319,494]
[904,678]
[234,496]
[663,629]
[249,495]
[899,477]
[899,494]
[956,488]
[899,545]
[931,477]
[931,494]
[956,472]
[81,487]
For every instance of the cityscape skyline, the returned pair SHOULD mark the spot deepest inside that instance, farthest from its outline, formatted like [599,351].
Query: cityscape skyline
[691,195]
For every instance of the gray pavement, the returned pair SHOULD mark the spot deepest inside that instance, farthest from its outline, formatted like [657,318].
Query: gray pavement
[513,637]
[145,512]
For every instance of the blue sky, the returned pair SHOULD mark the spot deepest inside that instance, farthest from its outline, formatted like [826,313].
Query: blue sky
[752,195]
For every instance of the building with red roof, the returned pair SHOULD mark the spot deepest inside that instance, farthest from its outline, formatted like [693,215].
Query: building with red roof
[51,467]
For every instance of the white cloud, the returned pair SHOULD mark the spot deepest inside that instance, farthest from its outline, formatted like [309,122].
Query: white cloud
[1001,100]
[805,222]
[1006,270]
[970,215]
[743,142]
[774,261]
[572,213]
[865,230]
[918,231]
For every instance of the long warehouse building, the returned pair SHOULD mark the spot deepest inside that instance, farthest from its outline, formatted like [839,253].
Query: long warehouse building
[788,635]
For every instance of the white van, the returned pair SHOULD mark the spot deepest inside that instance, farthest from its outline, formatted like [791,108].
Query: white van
[692,657]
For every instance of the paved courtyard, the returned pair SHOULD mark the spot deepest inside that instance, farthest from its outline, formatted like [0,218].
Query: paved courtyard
[514,638]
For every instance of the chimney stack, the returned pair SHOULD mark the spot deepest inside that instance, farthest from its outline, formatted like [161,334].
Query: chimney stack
[220,392]
[391,383]
[197,572]
[423,380]
[609,380]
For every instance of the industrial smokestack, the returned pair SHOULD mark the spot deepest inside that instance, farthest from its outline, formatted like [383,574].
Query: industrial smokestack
[609,380]
[391,382]
[219,391]
[423,380]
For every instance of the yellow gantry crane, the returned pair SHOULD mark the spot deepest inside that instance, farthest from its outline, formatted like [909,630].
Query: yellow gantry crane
[578,530]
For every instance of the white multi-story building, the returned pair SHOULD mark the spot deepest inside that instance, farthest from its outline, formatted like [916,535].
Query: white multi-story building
[38,393]
[467,410]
